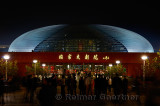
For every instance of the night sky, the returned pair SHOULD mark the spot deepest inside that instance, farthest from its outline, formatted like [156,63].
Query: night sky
[140,17]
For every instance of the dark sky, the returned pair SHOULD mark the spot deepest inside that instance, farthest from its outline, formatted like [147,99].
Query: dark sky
[140,17]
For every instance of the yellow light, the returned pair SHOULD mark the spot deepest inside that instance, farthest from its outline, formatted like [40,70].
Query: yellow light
[61,56]
[78,57]
[69,56]
[87,57]
[95,57]
[105,58]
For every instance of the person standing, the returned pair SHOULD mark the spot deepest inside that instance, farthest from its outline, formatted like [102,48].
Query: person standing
[109,84]
[81,86]
[125,85]
[103,85]
[96,86]
[88,84]
[54,83]
[46,95]
[1,90]
[106,85]
[63,86]
[92,86]
[117,86]
[68,82]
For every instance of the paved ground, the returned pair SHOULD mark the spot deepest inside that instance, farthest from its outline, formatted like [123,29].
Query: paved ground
[17,98]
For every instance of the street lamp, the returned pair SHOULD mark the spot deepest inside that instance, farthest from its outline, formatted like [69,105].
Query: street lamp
[43,65]
[110,65]
[6,57]
[35,61]
[117,62]
[144,58]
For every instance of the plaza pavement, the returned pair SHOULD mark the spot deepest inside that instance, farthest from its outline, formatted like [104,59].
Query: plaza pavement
[17,98]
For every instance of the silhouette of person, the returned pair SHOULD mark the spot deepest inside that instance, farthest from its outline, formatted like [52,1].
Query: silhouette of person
[109,84]
[81,85]
[1,90]
[69,84]
[103,85]
[88,84]
[73,85]
[28,86]
[46,95]
[117,86]
[97,87]
[54,83]
[63,86]
[34,85]
[92,85]
[125,85]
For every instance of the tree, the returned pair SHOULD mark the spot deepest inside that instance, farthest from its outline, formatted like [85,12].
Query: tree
[153,66]
[11,67]
[39,69]
[119,69]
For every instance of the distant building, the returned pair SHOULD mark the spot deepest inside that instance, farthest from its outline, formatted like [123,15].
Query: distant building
[4,48]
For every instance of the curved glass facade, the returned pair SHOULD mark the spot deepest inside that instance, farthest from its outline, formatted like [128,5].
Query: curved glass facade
[81,38]
[131,40]
[80,45]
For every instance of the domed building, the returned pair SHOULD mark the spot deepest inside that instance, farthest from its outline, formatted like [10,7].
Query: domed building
[80,38]
[81,47]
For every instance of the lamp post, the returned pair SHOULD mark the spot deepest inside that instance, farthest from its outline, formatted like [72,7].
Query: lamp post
[144,58]
[35,61]
[6,57]
[117,62]
[110,65]
[43,65]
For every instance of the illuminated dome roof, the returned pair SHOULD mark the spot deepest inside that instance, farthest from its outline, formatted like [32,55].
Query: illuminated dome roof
[80,38]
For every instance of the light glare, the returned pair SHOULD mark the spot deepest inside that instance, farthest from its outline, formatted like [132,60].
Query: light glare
[117,61]
[34,61]
[43,65]
[6,57]
[110,65]
[144,57]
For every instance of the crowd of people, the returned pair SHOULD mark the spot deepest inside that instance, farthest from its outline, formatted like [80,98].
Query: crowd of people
[6,86]
[72,84]
[81,85]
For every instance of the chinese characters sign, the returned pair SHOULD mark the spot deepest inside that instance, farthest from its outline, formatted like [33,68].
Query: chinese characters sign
[81,57]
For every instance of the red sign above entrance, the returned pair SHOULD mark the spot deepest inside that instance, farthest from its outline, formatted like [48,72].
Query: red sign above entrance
[80,57]
[77,57]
